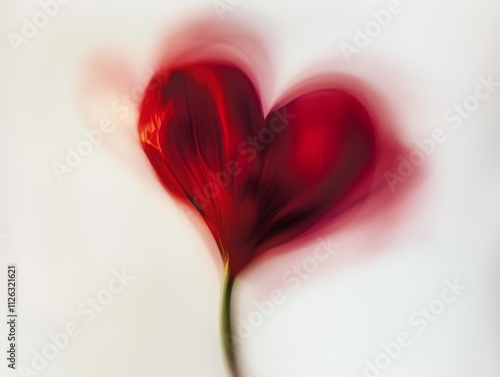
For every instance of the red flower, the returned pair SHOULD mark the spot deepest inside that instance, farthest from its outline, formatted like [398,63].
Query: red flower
[256,181]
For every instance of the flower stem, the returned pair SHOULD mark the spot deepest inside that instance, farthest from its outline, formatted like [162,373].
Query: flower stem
[227,332]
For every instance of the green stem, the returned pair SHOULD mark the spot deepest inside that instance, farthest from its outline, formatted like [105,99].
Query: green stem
[227,332]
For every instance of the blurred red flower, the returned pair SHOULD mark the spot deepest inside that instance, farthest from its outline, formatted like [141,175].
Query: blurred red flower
[257,181]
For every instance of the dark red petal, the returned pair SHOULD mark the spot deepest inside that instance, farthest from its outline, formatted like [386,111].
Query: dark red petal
[191,127]
[322,145]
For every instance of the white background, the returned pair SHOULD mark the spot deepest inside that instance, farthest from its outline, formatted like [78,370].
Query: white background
[110,212]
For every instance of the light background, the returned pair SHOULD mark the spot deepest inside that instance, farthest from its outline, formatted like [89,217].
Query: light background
[110,213]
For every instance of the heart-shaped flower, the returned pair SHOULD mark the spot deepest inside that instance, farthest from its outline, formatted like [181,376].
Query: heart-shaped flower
[256,181]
